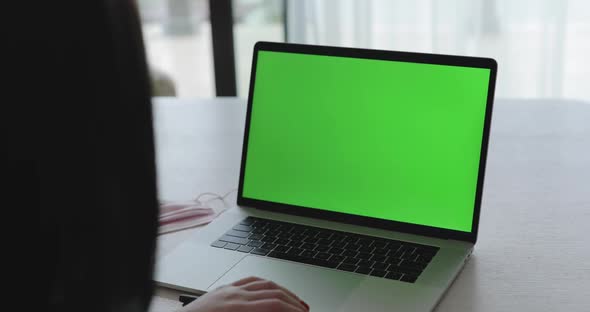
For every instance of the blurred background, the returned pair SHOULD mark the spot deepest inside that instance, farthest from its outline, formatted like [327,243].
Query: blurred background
[541,46]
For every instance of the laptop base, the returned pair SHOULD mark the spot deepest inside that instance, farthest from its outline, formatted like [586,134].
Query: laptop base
[196,266]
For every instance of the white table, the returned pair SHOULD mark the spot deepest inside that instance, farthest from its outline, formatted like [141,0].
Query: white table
[533,252]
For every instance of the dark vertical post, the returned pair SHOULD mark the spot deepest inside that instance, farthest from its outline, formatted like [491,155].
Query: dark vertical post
[285,17]
[222,34]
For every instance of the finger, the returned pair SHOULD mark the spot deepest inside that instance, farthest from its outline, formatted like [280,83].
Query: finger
[246,280]
[266,284]
[271,305]
[274,294]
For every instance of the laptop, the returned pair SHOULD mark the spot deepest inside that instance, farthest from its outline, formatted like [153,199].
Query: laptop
[360,183]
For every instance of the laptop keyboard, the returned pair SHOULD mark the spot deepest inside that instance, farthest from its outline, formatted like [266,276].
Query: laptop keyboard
[338,250]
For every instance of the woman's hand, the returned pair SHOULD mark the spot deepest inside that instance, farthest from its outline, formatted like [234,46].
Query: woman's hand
[248,294]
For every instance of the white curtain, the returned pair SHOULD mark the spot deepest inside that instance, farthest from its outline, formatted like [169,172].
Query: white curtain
[542,46]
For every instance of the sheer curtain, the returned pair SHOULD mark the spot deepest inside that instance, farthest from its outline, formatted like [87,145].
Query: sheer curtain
[542,46]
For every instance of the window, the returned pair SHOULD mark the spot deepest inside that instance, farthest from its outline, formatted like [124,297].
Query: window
[178,41]
[541,45]
[177,36]
[254,20]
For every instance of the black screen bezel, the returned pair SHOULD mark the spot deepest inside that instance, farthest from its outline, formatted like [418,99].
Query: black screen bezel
[426,58]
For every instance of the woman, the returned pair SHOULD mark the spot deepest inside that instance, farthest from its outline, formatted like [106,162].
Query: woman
[91,144]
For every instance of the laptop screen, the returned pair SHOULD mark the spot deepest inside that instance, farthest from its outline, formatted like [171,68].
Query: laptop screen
[390,140]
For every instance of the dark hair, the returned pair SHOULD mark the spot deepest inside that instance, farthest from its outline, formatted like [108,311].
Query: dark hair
[96,172]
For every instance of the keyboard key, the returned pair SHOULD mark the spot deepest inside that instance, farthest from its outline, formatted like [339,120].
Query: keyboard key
[286,228]
[308,254]
[408,249]
[393,275]
[336,251]
[379,258]
[366,263]
[409,278]
[408,255]
[312,240]
[322,256]
[260,251]
[404,270]
[268,239]
[338,244]
[269,246]
[243,228]
[381,251]
[366,249]
[350,253]
[336,258]
[338,237]
[379,244]
[295,232]
[365,242]
[347,267]
[281,248]
[329,264]
[380,266]
[351,239]
[245,249]
[273,233]
[398,254]
[255,236]
[259,231]
[248,221]
[322,248]
[311,233]
[233,239]
[393,261]
[294,244]
[295,251]
[365,256]
[285,235]
[255,244]
[351,260]
[362,270]
[237,233]
[218,244]
[378,273]
[352,246]
[412,265]
[393,247]
[297,238]
[308,246]
[420,259]
[282,241]
[324,241]
[231,246]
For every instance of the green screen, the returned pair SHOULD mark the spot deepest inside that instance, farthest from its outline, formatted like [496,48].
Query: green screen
[385,139]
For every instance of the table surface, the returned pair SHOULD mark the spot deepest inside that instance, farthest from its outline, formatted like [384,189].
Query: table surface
[533,252]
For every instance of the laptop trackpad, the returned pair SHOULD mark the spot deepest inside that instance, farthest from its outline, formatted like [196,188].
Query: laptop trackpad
[194,267]
[323,289]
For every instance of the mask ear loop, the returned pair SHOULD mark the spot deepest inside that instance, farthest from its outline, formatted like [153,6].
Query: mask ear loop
[171,212]
[216,196]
